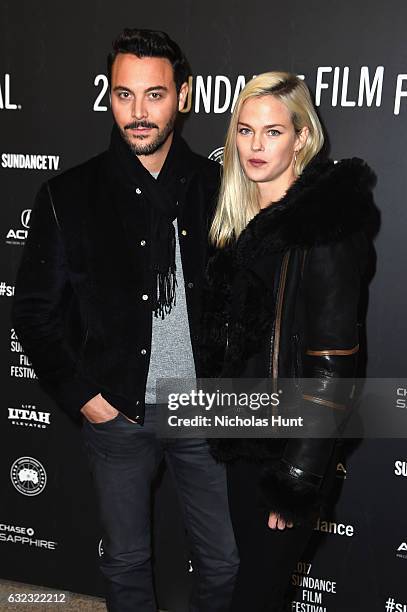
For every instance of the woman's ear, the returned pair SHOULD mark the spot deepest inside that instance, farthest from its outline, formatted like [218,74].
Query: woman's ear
[302,137]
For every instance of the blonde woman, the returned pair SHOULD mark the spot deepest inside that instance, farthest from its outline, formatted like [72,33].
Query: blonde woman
[282,302]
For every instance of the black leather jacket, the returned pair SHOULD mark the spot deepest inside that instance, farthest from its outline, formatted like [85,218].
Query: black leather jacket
[284,301]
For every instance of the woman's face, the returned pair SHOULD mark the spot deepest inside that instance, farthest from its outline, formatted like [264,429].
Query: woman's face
[266,140]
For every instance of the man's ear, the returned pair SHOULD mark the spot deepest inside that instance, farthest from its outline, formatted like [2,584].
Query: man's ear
[182,96]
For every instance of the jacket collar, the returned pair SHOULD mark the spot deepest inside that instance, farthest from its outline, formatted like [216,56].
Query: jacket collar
[125,167]
[327,203]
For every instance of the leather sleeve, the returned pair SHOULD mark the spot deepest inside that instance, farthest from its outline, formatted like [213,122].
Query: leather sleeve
[42,291]
[331,287]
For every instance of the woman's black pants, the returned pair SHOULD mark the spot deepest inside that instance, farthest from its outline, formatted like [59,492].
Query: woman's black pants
[267,557]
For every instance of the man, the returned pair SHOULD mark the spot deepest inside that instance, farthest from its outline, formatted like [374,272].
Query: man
[108,300]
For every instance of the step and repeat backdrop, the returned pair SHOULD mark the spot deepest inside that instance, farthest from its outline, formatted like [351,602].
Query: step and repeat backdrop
[54,113]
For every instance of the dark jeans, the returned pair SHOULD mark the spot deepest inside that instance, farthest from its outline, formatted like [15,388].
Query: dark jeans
[267,557]
[123,459]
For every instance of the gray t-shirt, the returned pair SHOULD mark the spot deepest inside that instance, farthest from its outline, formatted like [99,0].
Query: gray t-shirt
[171,349]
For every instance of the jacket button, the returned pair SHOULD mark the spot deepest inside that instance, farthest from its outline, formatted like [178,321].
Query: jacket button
[137,402]
[143,351]
[183,180]
[144,296]
[142,243]
[138,190]
[190,285]
[184,232]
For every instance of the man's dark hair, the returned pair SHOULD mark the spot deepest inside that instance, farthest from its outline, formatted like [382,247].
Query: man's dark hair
[150,43]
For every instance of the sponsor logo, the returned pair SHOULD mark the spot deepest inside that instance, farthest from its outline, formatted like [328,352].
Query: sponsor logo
[28,476]
[400,468]
[5,95]
[401,401]
[335,528]
[16,534]
[19,236]
[402,551]
[217,155]
[29,161]
[29,416]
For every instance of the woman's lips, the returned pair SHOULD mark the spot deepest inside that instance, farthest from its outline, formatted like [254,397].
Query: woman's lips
[257,163]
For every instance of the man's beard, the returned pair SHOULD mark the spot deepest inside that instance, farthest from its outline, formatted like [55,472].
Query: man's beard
[147,149]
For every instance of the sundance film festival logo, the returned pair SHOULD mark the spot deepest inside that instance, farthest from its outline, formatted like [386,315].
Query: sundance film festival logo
[29,416]
[5,95]
[28,476]
[400,468]
[17,534]
[217,155]
[334,528]
[335,86]
[6,290]
[392,605]
[18,236]
[23,369]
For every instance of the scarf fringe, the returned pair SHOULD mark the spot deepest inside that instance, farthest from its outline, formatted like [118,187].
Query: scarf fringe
[166,297]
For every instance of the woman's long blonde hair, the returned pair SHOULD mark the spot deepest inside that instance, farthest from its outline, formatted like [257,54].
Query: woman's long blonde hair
[238,199]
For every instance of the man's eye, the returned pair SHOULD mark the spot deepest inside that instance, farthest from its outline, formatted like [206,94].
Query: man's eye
[123,94]
[155,95]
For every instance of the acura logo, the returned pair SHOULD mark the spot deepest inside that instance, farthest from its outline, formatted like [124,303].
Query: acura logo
[25,218]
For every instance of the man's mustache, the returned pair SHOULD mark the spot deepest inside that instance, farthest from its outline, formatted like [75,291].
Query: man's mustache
[139,124]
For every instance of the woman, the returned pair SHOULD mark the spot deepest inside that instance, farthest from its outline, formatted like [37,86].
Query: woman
[282,302]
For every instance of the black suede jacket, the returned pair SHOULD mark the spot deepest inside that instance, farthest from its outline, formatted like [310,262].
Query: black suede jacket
[283,303]
[81,308]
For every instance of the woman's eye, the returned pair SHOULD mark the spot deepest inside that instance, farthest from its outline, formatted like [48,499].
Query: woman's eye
[244,131]
[274,132]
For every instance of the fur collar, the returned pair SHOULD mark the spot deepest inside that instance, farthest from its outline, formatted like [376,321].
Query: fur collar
[326,203]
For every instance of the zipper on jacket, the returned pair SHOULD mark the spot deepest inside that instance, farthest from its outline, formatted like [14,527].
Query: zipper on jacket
[275,345]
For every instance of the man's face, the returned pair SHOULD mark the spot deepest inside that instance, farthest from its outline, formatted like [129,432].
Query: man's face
[145,101]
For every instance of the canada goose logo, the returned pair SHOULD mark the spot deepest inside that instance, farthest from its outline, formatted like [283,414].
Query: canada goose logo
[28,476]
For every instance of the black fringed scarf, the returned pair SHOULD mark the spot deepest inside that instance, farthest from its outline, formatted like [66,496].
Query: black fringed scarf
[162,195]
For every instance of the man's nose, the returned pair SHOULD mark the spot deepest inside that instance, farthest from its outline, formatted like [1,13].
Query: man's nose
[138,109]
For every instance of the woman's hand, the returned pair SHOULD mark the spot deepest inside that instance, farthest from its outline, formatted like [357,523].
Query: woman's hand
[276,522]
